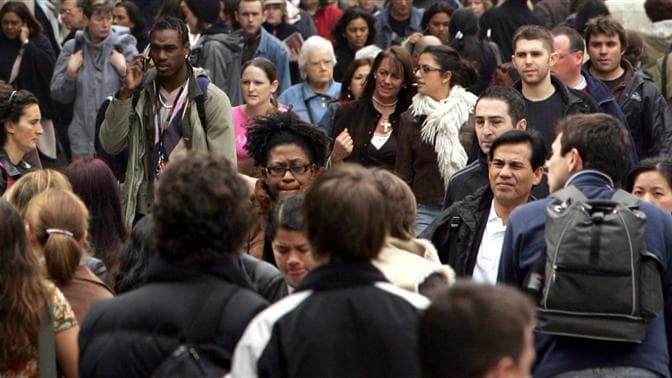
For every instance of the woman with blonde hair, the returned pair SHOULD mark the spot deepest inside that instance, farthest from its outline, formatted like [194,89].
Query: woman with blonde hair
[29,303]
[33,183]
[36,182]
[58,224]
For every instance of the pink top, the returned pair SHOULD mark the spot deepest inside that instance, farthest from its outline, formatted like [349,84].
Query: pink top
[240,124]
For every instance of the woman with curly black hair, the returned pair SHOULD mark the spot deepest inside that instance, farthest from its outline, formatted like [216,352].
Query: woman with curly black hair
[436,21]
[354,30]
[290,153]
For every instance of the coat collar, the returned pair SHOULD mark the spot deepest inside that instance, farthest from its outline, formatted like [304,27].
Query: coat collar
[340,275]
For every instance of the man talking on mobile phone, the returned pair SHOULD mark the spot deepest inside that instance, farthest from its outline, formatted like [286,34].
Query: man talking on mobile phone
[161,112]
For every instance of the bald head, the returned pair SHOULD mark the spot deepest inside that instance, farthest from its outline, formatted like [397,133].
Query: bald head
[424,42]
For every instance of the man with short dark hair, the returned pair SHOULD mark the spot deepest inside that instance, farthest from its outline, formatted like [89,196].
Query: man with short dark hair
[397,21]
[547,98]
[259,42]
[590,152]
[477,331]
[345,320]
[570,47]
[648,117]
[196,290]
[498,110]
[469,234]
[171,94]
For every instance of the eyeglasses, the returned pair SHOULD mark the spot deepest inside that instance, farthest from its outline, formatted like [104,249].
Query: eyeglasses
[326,63]
[426,69]
[281,171]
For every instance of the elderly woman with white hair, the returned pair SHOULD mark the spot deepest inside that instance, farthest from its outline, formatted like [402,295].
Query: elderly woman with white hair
[310,99]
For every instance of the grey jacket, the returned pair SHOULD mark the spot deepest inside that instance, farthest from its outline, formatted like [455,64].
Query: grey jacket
[96,79]
[128,127]
[220,55]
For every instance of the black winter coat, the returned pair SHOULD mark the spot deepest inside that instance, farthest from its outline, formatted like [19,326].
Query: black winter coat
[457,231]
[129,336]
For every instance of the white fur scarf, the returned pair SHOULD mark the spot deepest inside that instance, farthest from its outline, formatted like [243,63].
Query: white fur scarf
[442,127]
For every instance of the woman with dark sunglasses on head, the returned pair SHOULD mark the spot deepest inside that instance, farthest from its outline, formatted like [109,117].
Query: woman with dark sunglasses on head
[290,153]
[429,147]
[20,119]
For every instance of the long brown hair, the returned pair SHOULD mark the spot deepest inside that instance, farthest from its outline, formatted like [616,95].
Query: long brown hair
[22,294]
[59,221]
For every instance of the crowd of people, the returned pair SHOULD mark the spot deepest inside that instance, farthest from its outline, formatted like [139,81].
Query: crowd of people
[300,188]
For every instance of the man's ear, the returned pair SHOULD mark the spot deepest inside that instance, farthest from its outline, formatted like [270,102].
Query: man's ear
[237,17]
[538,175]
[575,160]
[521,125]
[502,369]
[553,58]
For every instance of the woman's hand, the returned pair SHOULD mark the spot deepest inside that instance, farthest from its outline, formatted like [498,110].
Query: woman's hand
[343,145]
[24,34]
[75,62]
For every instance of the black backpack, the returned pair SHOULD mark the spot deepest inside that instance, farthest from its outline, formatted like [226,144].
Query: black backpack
[596,279]
[197,355]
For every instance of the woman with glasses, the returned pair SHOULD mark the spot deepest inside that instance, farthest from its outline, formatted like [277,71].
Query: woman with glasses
[310,99]
[365,131]
[20,117]
[290,153]
[429,149]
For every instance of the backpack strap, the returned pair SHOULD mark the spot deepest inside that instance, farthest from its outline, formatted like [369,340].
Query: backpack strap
[625,198]
[203,82]
[46,363]
[570,193]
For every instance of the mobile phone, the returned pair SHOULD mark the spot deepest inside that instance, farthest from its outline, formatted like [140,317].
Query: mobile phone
[145,57]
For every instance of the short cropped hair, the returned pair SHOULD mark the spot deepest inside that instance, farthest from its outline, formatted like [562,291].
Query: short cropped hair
[531,137]
[576,42]
[91,7]
[342,211]
[605,25]
[511,97]
[534,33]
[470,327]
[400,203]
[201,210]
[601,140]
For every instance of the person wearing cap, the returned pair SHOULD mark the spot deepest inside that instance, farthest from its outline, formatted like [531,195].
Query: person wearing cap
[216,50]
[276,23]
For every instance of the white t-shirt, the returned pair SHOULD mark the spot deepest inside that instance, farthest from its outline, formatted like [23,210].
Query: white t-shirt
[490,250]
